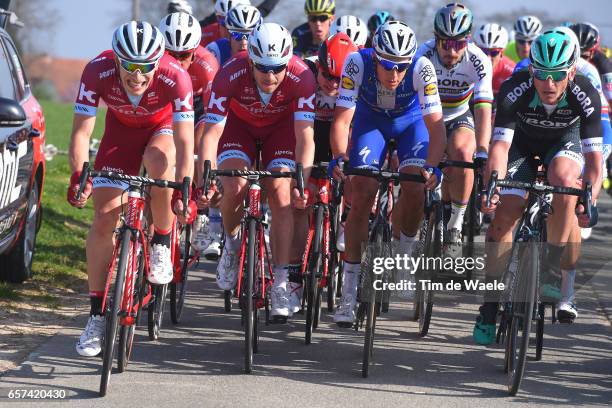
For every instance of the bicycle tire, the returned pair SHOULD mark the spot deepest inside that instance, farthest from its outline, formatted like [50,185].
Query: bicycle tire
[540,331]
[334,261]
[113,307]
[156,311]
[312,279]
[433,249]
[472,213]
[529,264]
[251,310]
[178,290]
[126,333]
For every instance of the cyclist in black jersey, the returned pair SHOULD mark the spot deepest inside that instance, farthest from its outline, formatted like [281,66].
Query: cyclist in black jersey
[308,36]
[551,113]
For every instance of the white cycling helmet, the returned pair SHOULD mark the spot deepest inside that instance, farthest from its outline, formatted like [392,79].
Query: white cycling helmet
[243,17]
[270,44]
[527,27]
[139,42]
[182,32]
[352,26]
[222,7]
[490,36]
[175,6]
[395,41]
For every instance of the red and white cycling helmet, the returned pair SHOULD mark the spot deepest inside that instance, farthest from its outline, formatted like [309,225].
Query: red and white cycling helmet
[270,44]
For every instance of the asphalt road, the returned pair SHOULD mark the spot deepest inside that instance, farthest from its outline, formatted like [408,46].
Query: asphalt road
[199,362]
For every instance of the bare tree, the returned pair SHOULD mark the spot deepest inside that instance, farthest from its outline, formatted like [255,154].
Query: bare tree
[40,21]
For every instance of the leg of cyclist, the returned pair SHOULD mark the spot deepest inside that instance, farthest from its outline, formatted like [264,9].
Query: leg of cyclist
[498,241]
[367,150]
[412,150]
[461,146]
[566,308]
[159,160]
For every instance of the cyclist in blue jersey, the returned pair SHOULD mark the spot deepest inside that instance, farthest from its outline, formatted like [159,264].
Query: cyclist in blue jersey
[240,22]
[386,93]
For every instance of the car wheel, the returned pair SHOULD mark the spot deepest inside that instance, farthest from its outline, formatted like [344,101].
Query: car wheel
[17,264]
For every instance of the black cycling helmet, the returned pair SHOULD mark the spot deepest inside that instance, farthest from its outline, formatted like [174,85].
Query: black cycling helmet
[377,19]
[588,35]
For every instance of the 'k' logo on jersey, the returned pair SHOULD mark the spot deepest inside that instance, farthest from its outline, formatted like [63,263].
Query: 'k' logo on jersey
[83,93]
[218,102]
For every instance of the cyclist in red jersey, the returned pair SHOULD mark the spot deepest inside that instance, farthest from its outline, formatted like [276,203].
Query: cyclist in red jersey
[215,31]
[492,39]
[327,69]
[265,95]
[149,119]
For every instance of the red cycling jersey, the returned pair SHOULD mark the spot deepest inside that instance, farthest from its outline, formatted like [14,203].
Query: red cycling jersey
[210,33]
[234,88]
[501,72]
[168,96]
[202,71]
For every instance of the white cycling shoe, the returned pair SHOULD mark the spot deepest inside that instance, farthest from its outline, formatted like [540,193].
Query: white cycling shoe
[199,237]
[213,249]
[345,311]
[280,304]
[295,296]
[90,342]
[160,270]
[227,270]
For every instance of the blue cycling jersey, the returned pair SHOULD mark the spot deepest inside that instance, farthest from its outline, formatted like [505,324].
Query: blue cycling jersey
[221,49]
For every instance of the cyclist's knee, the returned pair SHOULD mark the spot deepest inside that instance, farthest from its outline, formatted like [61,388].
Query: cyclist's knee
[233,189]
[506,216]
[158,160]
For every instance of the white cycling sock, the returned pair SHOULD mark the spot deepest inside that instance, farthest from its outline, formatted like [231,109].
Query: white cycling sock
[232,242]
[408,243]
[351,277]
[281,276]
[567,284]
[457,214]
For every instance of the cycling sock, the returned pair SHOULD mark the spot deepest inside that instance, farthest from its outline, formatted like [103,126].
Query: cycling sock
[351,276]
[446,211]
[408,242]
[295,272]
[161,237]
[550,273]
[232,242]
[489,312]
[281,273]
[214,220]
[567,284]
[95,301]
[456,218]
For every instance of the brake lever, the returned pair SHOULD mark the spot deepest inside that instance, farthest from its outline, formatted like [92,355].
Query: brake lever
[491,187]
[83,180]
[299,178]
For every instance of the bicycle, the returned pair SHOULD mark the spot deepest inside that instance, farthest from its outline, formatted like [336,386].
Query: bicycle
[253,285]
[371,299]
[130,261]
[320,255]
[430,246]
[183,258]
[521,302]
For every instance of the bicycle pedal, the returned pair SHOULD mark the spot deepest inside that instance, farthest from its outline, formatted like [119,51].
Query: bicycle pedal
[278,320]
[565,320]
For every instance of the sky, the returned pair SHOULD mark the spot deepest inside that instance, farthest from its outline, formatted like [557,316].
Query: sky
[86,26]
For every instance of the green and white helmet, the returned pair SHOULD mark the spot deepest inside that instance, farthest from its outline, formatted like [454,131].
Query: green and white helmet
[554,49]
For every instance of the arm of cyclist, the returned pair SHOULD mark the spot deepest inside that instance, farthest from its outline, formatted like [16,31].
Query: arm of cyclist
[78,153]
[425,82]
[483,99]
[498,161]
[208,151]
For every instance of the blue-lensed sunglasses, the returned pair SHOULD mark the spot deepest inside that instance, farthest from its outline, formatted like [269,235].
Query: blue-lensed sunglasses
[239,36]
[275,69]
[390,65]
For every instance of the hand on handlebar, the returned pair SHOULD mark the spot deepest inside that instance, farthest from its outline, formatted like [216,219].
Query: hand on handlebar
[185,217]
[297,201]
[73,190]
[432,176]
[204,198]
[336,166]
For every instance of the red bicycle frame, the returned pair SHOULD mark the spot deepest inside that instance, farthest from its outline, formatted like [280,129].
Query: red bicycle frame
[321,197]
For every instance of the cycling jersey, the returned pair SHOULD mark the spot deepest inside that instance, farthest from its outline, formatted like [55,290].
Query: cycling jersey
[210,33]
[511,53]
[604,67]
[303,46]
[202,72]
[382,114]
[234,89]
[221,50]
[520,108]
[169,94]
[502,71]
[472,75]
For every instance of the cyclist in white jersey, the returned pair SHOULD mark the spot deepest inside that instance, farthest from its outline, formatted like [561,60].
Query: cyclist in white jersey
[463,72]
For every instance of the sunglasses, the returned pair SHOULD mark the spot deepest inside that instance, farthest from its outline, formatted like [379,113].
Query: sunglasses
[543,75]
[132,67]
[390,65]
[456,45]
[524,42]
[239,36]
[492,52]
[182,55]
[275,69]
[221,21]
[320,18]
[329,76]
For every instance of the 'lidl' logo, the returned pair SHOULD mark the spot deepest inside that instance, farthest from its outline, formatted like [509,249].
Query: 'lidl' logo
[348,83]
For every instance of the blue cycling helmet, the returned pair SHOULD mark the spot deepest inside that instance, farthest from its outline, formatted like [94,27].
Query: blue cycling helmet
[377,19]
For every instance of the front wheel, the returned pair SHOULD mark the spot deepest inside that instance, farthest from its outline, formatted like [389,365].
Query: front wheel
[156,310]
[312,279]
[250,309]
[179,289]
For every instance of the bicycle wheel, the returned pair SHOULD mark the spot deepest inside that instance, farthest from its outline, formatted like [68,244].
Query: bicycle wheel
[250,310]
[126,333]
[335,264]
[313,276]
[471,227]
[540,331]
[523,300]
[179,289]
[433,249]
[112,309]
[156,310]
